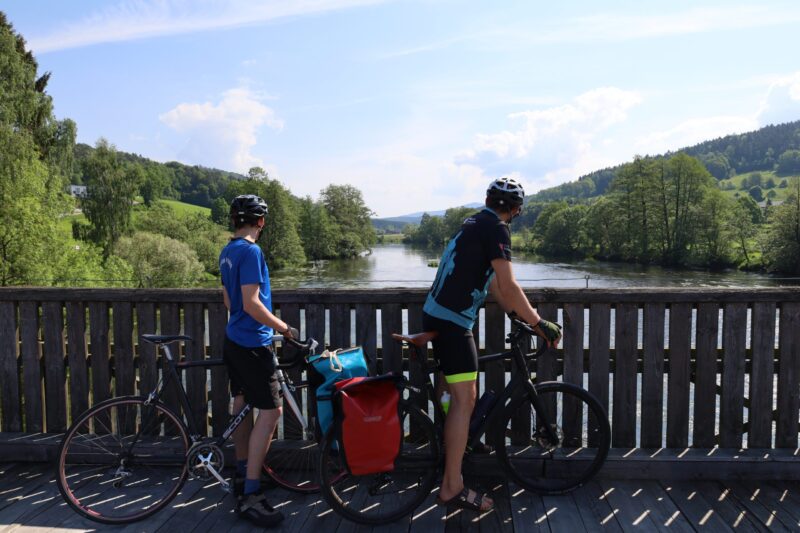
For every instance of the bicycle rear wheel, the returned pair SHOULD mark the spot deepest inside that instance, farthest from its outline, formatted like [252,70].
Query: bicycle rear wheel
[584,436]
[385,497]
[122,460]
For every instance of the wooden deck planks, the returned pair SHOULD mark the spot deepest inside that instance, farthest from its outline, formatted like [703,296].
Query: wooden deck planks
[29,497]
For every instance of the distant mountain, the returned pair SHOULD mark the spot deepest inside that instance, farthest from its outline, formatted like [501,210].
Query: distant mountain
[724,157]
[395,224]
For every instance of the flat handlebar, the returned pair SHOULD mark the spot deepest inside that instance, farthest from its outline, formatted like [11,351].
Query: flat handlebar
[303,349]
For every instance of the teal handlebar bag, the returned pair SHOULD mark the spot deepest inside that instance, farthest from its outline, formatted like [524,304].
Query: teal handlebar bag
[331,367]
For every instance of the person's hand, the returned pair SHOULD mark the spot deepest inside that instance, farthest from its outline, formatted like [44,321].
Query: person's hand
[549,331]
[290,333]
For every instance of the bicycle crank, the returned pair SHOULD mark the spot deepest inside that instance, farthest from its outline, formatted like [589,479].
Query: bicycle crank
[206,461]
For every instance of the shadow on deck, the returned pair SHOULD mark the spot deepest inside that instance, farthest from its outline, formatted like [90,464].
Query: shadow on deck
[30,501]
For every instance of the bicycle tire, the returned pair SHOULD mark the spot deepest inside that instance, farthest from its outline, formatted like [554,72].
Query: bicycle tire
[584,434]
[293,457]
[122,460]
[386,497]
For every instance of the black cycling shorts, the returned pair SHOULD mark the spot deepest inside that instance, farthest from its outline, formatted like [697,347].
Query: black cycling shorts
[454,348]
[252,373]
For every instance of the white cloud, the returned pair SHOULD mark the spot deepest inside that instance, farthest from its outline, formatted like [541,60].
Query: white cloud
[782,102]
[624,26]
[694,131]
[139,19]
[223,134]
[615,27]
[552,144]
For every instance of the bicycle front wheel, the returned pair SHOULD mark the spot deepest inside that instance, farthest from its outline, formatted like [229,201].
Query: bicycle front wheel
[385,497]
[122,460]
[293,457]
[537,462]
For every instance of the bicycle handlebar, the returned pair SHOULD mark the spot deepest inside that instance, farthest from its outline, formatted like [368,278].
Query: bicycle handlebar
[303,348]
[528,330]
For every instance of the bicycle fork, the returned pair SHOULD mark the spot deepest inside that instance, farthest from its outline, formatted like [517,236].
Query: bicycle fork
[541,414]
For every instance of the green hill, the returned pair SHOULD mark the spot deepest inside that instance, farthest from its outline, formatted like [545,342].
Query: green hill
[772,151]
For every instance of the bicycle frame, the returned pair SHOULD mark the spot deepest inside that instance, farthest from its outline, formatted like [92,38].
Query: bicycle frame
[171,369]
[520,381]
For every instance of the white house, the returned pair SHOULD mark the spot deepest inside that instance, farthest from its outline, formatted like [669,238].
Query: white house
[78,191]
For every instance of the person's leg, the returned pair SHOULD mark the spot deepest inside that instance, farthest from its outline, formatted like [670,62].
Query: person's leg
[241,437]
[456,428]
[258,444]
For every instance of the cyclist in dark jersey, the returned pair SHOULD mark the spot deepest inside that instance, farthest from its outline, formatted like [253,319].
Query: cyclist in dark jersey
[477,259]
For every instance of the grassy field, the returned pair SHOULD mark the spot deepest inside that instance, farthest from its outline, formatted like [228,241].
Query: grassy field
[780,193]
[186,209]
[180,209]
[390,238]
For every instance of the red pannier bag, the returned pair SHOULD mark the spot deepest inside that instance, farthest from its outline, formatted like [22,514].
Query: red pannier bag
[367,422]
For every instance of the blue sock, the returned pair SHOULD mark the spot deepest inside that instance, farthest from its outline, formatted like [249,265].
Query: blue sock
[241,467]
[251,486]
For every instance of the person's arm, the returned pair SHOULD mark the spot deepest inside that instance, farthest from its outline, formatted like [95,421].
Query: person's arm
[509,294]
[512,298]
[253,306]
[226,298]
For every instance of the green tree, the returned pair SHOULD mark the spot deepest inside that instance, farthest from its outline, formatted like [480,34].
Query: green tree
[111,188]
[201,234]
[346,207]
[221,212]
[756,193]
[453,219]
[318,231]
[280,239]
[789,162]
[750,208]
[35,159]
[154,181]
[159,261]
[564,236]
[742,226]
[783,237]
[714,230]
[82,265]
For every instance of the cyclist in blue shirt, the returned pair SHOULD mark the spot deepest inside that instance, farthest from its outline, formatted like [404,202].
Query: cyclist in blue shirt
[248,354]
[477,259]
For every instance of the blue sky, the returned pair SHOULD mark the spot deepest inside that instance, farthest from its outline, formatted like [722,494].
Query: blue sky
[417,103]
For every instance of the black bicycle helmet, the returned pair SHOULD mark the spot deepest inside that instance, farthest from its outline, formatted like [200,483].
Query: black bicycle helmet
[507,192]
[248,208]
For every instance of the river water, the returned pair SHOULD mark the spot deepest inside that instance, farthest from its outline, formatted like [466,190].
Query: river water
[399,265]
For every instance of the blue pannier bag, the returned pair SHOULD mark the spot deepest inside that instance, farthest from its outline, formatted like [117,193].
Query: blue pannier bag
[330,367]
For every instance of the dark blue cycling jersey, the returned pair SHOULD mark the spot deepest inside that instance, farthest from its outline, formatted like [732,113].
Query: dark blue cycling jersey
[465,270]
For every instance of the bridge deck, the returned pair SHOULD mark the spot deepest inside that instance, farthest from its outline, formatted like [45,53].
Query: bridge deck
[30,501]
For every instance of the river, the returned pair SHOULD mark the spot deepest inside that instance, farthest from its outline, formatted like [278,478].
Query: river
[399,265]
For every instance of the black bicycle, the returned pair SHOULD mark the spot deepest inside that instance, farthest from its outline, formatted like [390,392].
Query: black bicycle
[553,437]
[126,458]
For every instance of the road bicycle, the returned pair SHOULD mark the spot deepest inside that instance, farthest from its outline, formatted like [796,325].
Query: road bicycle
[125,458]
[551,438]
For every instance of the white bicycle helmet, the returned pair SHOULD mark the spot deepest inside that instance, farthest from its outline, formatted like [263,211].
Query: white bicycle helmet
[507,191]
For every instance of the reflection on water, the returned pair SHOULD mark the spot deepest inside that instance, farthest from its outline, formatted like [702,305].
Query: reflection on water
[399,265]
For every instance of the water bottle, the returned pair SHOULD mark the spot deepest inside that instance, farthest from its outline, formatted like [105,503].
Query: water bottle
[445,401]
[482,408]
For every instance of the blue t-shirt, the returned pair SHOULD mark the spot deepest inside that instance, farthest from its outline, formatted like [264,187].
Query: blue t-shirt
[242,263]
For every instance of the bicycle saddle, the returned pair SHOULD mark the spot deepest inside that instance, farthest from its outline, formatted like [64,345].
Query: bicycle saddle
[164,339]
[420,340]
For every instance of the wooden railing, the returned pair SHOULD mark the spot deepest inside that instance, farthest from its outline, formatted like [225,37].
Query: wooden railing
[727,359]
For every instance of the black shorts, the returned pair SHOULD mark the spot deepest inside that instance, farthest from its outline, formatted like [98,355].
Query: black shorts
[454,348]
[252,373]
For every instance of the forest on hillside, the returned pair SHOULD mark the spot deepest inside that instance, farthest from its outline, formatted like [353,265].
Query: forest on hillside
[666,210]
[121,233]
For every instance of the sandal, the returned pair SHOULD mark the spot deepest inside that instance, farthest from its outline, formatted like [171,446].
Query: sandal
[463,501]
